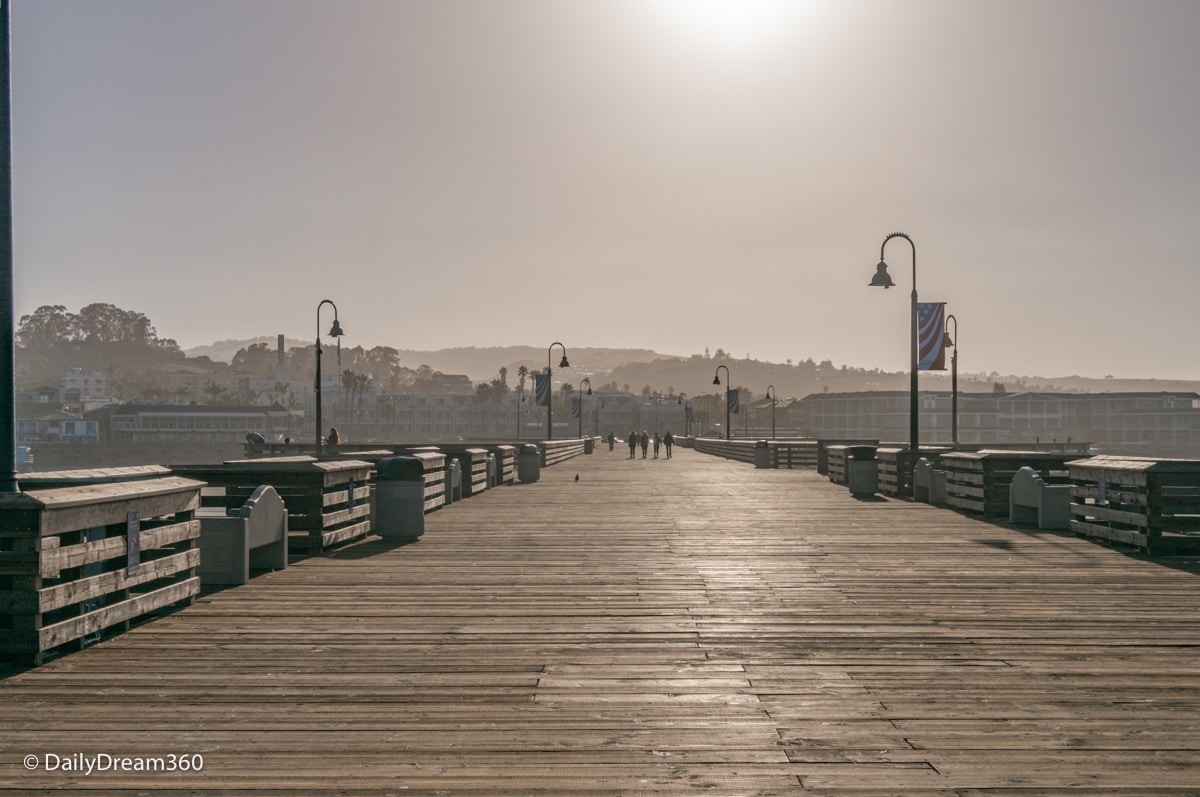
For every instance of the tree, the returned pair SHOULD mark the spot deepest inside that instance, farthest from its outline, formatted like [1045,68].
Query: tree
[216,393]
[257,358]
[46,327]
[381,362]
[105,323]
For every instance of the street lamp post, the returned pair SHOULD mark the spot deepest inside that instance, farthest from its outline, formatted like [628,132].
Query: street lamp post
[947,340]
[771,394]
[717,381]
[550,388]
[683,400]
[8,422]
[589,384]
[334,332]
[883,280]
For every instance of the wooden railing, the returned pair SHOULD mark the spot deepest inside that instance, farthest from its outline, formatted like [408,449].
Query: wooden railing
[328,501]
[1150,504]
[782,453]
[979,481]
[474,463]
[505,457]
[556,451]
[81,562]
[793,454]
[824,444]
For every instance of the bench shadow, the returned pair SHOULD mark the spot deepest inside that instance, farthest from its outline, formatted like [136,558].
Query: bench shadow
[1186,563]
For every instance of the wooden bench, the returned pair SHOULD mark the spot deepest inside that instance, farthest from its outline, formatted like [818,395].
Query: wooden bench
[81,562]
[254,536]
[1033,501]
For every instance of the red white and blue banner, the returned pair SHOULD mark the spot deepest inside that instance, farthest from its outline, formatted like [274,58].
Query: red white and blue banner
[931,332]
[575,402]
[541,390]
[732,397]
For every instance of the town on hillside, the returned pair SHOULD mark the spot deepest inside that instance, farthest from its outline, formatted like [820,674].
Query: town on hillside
[101,387]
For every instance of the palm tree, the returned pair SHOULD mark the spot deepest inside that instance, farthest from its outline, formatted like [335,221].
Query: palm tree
[216,393]
[522,375]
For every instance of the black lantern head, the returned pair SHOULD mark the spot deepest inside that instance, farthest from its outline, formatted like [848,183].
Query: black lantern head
[881,279]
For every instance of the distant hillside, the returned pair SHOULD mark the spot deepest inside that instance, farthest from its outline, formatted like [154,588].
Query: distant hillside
[693,375]
[223,350]
[485,363]
[479,363]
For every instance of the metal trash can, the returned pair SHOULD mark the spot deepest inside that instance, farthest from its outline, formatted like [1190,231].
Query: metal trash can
[400,498]
[862,470]
[529,463]
[762,454]
[589,445]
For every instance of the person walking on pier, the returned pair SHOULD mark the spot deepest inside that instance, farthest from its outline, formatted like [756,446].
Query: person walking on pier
[611,440]
[668,441]
[645,443]
[333,438]
[633,443]
[657,444]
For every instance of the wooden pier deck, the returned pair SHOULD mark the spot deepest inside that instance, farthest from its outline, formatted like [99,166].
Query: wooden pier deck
[658,627]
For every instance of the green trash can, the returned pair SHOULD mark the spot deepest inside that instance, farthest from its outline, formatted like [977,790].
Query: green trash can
[762,454]
[400,498]
[529,463]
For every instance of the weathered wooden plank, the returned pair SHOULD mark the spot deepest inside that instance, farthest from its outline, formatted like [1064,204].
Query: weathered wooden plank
[68,630]
[55,560]
[659,626]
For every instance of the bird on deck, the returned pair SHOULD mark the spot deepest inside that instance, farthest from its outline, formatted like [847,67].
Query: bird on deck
[576,477]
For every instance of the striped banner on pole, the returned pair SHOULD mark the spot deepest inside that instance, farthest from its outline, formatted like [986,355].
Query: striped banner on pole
[575,402]
[733,396]
[541,390]
[931,332]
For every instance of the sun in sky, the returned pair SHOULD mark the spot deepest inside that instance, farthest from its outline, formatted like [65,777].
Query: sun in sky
[733,26]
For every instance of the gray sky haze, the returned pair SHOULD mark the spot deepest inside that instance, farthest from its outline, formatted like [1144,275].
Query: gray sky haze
[664,174]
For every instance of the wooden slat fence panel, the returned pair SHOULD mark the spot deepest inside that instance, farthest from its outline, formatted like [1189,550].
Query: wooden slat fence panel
[328,501]
[1150,504]
[82,562]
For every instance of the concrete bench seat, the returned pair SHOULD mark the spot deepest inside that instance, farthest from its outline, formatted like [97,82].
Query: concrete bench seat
[234,541]
[929,483]
[1031,501]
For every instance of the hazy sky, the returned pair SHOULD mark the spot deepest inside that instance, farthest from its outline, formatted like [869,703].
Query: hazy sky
[666,174]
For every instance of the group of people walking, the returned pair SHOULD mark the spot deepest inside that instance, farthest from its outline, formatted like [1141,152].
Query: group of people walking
[644,440]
